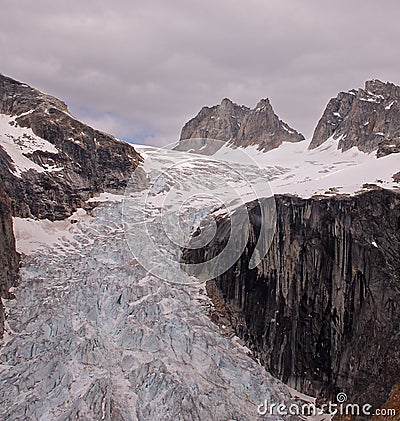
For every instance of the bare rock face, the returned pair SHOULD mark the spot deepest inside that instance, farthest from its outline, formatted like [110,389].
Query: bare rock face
[321,311]
[241,126]
[220,122]
[9,258]
[366,118]
[83,160]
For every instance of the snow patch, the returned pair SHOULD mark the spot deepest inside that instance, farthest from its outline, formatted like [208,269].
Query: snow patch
[32,234]
[18,142]
[287,129]
[106,197]
[389,106]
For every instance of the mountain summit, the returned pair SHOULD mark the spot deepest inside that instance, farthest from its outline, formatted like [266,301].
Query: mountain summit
[367,118]
[241,126]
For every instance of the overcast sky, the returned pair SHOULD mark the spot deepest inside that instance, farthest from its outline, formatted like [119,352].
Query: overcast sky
[141,69]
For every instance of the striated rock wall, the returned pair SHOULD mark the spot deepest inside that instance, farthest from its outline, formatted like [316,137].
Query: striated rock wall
[321,311]
[366,118]
[9,258]
[241,126]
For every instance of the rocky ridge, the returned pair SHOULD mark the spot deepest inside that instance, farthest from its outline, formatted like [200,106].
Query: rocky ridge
[367,118]
[69,161]
[241,126]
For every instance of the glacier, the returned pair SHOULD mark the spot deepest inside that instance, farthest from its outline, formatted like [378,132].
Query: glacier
[93,335]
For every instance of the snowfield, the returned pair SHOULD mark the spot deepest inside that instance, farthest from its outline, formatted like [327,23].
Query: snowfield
[325,170]
[19,142]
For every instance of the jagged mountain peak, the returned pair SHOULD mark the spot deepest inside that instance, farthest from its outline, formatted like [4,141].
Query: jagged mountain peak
[264,105]
[378,87]
[227,105]
[227,102]
[241,126]
[368,119]
[375,84]
[263,102]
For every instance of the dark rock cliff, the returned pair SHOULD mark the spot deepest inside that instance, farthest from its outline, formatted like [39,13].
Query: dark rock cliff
[366,118]
[9,258]
[87,161]
[241,126]
[321,311]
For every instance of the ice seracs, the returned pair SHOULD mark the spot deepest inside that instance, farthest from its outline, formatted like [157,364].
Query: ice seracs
[92,335]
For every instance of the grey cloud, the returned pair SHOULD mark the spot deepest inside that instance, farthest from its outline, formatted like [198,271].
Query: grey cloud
[140,70]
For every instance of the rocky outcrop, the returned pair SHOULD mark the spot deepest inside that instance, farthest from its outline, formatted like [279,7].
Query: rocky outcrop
[220,122]
[9,258]
[366,118]
[241,126]
[81,161]
[321,311]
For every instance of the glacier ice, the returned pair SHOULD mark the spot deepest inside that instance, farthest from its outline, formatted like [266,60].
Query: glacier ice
[91,335]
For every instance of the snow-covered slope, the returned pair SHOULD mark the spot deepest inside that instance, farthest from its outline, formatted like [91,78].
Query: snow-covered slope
[19,143]
[293,168]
